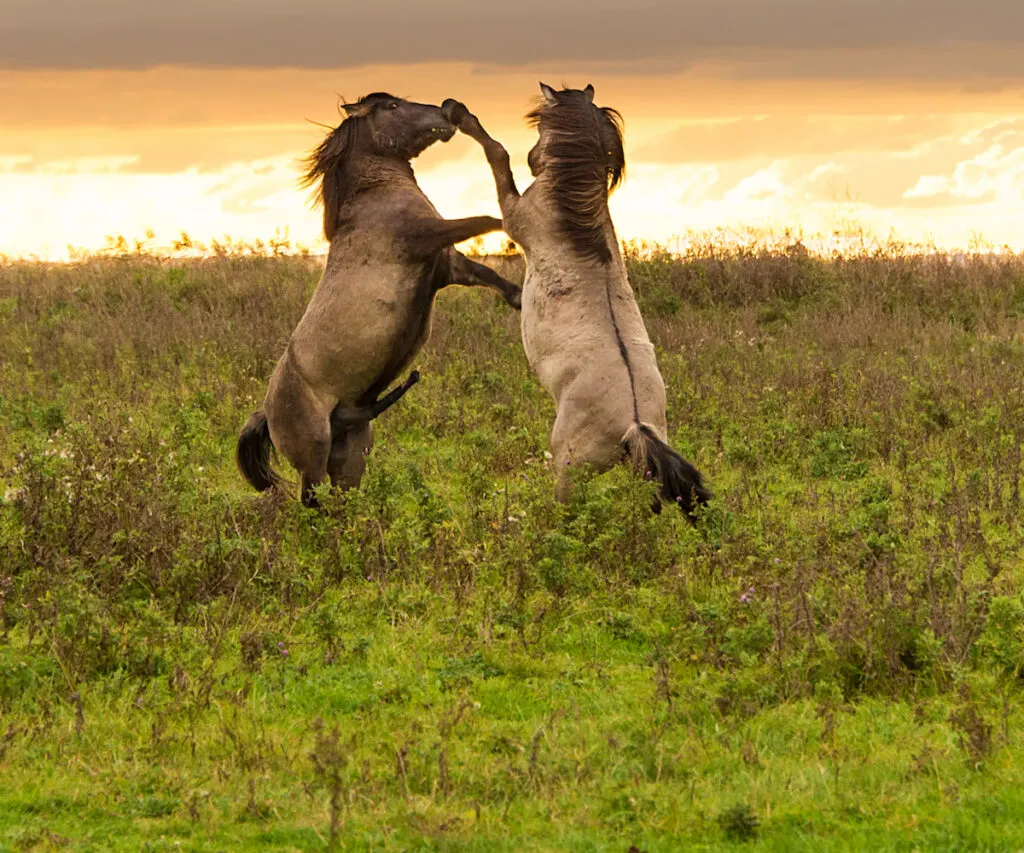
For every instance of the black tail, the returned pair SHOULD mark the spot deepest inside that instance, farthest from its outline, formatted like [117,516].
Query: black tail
[253,453]
[344,418]
[681,483]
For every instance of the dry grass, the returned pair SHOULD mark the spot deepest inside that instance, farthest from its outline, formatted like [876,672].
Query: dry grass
[831,658]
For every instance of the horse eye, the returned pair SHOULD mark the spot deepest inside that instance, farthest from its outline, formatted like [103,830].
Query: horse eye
[393,105]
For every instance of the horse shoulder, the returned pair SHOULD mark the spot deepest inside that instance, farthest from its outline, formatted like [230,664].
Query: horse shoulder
[526,218]
[392,210]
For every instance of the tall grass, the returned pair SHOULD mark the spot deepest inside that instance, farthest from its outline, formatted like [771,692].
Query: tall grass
[446,657]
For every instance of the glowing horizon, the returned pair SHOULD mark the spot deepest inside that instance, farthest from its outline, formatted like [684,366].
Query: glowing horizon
[214,153]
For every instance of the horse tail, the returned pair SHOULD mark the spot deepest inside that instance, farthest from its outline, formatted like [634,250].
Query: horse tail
[347,417]
[681,483]
[253,453]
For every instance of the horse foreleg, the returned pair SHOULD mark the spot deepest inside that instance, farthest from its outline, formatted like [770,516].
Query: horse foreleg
[467,272]
[497,156]
[425,237]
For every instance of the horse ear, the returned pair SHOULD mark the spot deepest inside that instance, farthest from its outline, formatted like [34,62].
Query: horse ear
[356,110]
[589,92]
[549,94]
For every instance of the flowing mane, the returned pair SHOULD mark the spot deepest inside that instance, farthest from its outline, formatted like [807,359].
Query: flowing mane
[326,164]
[585,156]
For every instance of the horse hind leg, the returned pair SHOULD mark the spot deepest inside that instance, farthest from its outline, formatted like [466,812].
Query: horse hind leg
[576,442]
[347,460]
[300,429]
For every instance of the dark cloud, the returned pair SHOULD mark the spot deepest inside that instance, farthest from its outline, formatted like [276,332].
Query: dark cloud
[601,34]
[974,66]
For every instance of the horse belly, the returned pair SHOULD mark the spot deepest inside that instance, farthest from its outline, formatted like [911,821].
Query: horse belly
[344,352]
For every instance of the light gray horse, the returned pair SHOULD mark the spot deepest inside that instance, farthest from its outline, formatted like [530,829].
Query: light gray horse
[582,330]
[390,252]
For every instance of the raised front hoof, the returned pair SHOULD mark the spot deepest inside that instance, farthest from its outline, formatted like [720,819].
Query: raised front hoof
[454,111]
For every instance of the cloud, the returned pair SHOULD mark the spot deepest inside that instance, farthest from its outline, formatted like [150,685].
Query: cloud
[886,162]
[154,151]
[194,150]
[994,175]
[13,163]
[772,37]
[792,136]
[973,65]
[763,185]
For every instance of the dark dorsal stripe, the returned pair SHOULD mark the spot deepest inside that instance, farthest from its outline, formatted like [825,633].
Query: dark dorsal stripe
[622,350]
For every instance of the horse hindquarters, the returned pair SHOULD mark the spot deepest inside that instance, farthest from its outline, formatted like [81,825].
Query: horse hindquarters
[583,434]
[299,425]
[681,482]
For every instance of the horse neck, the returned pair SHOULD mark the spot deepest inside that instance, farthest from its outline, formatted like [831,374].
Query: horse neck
[372,170]
[543,186]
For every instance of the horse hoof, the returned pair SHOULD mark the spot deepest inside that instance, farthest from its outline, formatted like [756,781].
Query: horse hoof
[454,111]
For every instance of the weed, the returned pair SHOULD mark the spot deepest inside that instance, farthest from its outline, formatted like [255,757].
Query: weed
[739,822]
[488,667]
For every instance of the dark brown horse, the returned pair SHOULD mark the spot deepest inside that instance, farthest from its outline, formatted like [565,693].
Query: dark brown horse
[582,330]
[390,252]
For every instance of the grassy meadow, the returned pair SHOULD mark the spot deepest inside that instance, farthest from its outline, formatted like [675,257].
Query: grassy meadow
[446,659]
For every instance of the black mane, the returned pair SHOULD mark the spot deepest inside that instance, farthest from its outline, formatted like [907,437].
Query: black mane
[585,157]
[326,163]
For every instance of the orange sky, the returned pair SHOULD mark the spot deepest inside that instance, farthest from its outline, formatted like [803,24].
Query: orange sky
[87,152]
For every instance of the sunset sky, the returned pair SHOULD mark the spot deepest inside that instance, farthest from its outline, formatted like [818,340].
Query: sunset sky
[906,115]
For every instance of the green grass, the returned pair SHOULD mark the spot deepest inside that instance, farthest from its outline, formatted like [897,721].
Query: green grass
[446,659]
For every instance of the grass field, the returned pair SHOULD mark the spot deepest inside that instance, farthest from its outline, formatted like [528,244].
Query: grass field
[446,659]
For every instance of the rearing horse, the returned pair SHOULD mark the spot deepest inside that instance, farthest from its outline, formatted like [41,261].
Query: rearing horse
[390,252]
[582,330]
